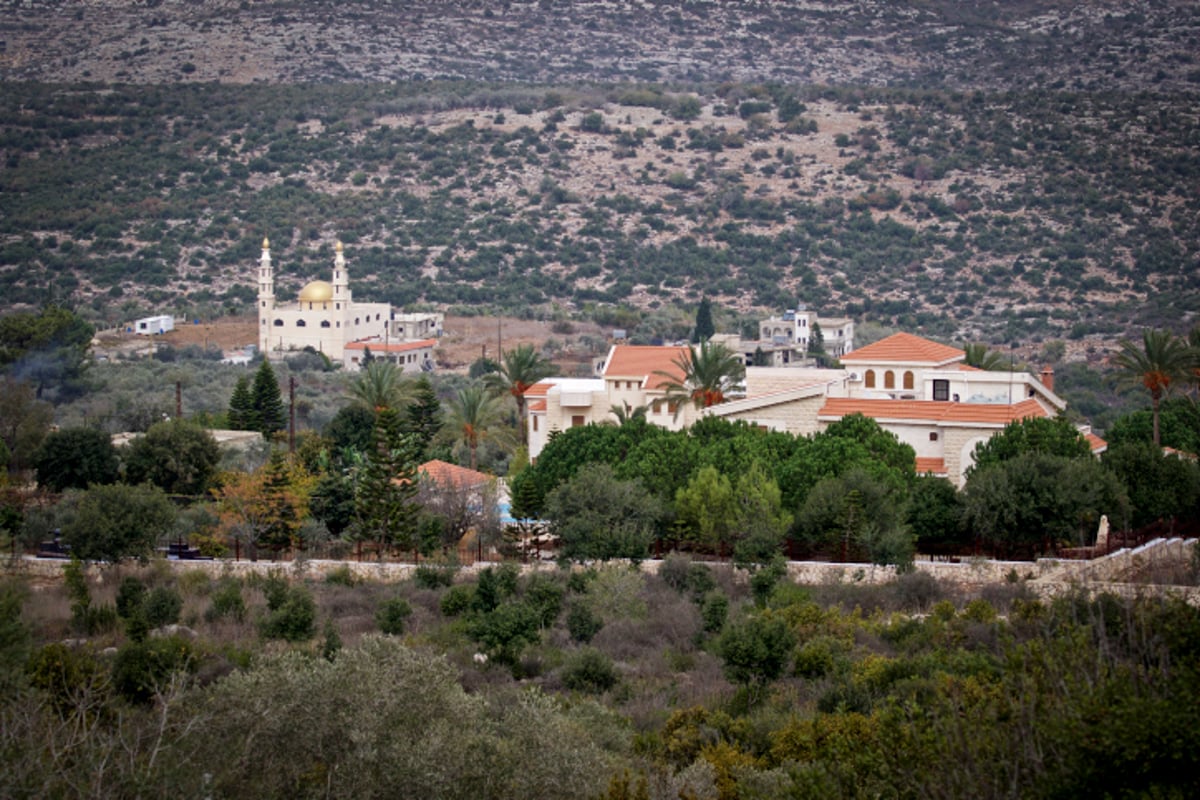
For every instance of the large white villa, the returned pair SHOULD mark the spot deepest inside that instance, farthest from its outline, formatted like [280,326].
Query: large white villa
[918,389]
[326,318]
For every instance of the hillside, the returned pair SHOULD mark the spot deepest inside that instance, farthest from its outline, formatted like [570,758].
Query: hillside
[1016,172]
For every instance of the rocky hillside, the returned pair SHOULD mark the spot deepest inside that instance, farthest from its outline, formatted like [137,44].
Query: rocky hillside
[1015,171]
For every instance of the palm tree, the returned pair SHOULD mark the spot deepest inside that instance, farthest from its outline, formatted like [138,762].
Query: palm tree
[1160,361]
[474,416]
[1194,343]
[627,413]
[380,384]
[704,375]
[520,368]
[979,356]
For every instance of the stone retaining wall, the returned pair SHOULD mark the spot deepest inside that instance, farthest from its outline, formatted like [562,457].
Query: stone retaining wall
[1048,577]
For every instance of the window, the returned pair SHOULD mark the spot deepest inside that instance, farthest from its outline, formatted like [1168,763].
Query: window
[577,420]
[278,323]
[324,323]
[300,323]
[889,380]
[941,390]
[356,320]
[908,379]
[933,436]
[535,427]
[869,379]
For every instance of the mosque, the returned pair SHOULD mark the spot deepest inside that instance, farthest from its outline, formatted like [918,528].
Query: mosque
[326,318]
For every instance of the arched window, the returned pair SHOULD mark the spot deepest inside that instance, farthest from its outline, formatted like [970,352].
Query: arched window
[278,323]
[908,379]
[356,320]
[869,379]
[889,380]
[324,323]
[300,323]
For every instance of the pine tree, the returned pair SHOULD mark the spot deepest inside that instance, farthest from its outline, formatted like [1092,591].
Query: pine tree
[242,416]
[424,414]
[385,486]
[268,404]
[704,322]
[282,522]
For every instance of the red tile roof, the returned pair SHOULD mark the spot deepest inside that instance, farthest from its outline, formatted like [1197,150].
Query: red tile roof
[392,347]
[641,362]
[453,475]
[1097,444]
[535,405]
[540,389]
[932,466]
[904,347]
[931,410]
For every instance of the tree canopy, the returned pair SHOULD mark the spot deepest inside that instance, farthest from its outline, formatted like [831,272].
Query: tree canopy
[177,456]
[116,521]
[74,458]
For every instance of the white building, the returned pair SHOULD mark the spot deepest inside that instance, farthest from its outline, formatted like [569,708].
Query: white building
[410,357]
[149,326]
[915,388]
[795,329]
[326,318]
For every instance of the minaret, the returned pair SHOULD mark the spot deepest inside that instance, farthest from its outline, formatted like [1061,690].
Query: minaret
[341,280]
[266,296]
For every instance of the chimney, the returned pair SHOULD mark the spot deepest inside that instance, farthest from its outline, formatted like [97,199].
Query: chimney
[1048,377]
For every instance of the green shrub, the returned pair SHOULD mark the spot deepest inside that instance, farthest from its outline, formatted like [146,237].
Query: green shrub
[341,576]
[433,577]
[457,600]
[506,630]
[589,670]
[15,637]
[818,657]
[700,581]
[546,595]
[163,606]
[333,641]
[764,581]
[142,668]
[131,596]
[275,589]
[578,581]
[98,619]
[391,615]
[582,624]
[293,619]
[66,674]
[227,601]
[714,611]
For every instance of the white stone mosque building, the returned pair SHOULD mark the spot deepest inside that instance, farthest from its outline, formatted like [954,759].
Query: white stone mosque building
[326,318]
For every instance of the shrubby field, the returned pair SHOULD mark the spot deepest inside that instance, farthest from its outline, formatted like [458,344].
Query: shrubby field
[602,682]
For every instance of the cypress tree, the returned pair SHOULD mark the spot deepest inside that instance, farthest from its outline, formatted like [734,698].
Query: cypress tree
[268,404]
[242,416]
[704,322]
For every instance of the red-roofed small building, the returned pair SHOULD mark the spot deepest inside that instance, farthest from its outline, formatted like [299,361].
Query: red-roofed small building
[410,357]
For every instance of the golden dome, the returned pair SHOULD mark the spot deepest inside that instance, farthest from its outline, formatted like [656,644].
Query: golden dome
[266,243]
[317,292]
